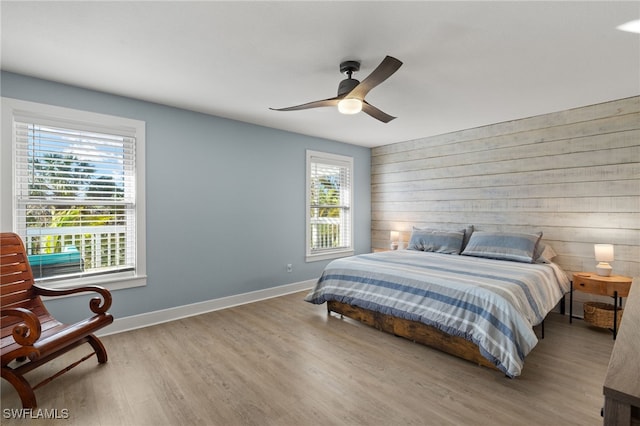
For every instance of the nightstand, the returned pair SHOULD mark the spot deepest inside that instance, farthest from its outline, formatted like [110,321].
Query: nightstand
[380,250]
[615,286]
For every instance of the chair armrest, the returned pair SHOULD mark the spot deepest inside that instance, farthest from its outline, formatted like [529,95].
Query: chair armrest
[94,303]
[27,333]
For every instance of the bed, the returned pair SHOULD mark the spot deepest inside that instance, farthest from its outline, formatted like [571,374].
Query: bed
[481,307]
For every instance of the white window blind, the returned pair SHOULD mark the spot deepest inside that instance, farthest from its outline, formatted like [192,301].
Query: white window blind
[329,202]
[75,197]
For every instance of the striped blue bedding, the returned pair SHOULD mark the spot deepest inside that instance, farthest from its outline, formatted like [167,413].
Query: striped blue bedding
[493,303]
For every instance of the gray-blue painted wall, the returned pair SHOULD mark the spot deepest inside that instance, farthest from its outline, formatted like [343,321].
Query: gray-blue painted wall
[225,200]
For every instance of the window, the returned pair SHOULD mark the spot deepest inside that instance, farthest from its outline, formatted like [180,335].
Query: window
[77,193]
[329,206]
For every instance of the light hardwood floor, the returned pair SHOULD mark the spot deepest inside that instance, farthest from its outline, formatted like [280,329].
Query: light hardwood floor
[285,362]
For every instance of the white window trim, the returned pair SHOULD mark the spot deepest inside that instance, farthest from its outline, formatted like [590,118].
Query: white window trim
[15,107]
[327,254]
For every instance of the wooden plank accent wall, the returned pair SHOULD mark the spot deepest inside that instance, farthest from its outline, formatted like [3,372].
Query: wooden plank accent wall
[574,175]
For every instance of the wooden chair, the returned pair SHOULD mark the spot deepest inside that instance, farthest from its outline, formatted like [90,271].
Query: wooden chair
[31,337]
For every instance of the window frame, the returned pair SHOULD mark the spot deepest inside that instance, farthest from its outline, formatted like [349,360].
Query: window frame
[330,158]
[17,110]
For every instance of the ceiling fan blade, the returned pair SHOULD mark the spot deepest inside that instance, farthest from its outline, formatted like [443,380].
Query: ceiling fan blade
[315,104]
[376,113]
[387,67]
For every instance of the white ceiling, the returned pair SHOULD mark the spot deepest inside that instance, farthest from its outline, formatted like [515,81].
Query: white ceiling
[466,64]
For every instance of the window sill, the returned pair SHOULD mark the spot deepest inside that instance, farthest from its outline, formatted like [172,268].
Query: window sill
[110,283]
[328,255]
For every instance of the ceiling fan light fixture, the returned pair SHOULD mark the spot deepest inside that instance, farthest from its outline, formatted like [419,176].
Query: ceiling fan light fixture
[350,106]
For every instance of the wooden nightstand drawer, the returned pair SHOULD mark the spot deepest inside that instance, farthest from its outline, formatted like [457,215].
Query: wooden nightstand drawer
[380,250]
[589,286]
[605,286]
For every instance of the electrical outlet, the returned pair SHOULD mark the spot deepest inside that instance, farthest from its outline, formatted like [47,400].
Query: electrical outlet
[289,267]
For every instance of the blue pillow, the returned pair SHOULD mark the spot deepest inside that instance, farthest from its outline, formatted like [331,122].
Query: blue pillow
[512,246]
[447,242]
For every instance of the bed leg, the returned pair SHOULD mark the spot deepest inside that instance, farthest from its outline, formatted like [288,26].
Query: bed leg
[541,330]
[329,311]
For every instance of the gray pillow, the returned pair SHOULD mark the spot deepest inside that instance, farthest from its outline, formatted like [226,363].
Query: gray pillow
[544,253]
[432,240]
[514,246]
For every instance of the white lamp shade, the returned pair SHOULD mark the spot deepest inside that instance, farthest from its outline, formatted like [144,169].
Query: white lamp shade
[603,252]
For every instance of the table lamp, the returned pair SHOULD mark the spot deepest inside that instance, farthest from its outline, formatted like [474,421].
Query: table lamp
[395,235]
[604,254]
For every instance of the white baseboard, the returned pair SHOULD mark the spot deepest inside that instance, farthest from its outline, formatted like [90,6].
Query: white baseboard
[171,314]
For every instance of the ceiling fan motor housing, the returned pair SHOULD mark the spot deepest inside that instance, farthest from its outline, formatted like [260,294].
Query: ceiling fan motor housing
[347,85]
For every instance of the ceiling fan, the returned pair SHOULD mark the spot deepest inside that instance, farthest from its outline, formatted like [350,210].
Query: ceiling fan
[351,92]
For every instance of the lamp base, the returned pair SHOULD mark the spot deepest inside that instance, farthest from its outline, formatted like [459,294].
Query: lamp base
[603,269]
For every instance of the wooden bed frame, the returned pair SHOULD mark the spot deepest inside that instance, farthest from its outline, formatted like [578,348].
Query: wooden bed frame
[413,330]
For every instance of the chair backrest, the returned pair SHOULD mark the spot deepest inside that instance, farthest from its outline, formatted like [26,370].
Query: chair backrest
[16,281]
